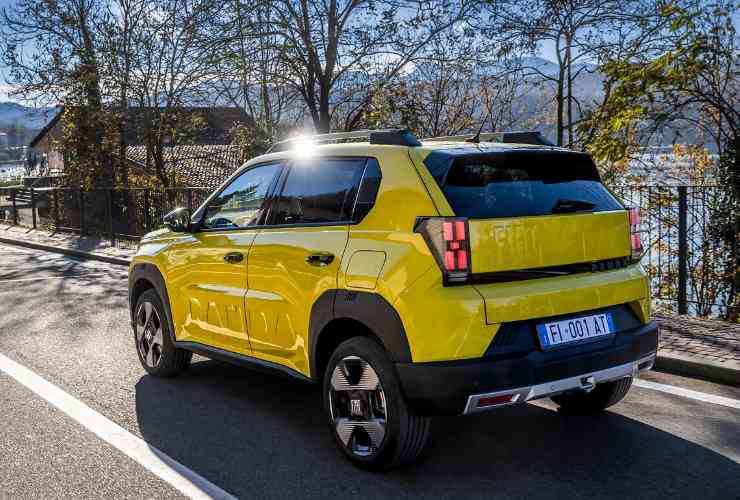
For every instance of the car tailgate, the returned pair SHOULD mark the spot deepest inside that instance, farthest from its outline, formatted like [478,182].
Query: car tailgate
[539,298]
[520,243]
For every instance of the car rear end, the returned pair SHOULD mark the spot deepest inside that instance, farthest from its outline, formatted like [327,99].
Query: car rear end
[553,259]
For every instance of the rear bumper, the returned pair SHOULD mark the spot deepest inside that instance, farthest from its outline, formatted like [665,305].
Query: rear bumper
[455,387]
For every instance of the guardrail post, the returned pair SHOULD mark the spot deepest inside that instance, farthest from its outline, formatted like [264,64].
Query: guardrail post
[111,229]
[81,195]
[15,209]
[33,207]
[683,243]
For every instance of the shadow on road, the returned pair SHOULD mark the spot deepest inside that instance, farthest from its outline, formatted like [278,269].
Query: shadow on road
[259,436]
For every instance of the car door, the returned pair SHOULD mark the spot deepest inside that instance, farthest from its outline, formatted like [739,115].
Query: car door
[209,271]
[297,255]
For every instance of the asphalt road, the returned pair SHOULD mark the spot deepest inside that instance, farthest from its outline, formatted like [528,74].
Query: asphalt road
[257,436]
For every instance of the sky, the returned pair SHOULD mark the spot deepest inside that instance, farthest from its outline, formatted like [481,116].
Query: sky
[3,87]
[546,50]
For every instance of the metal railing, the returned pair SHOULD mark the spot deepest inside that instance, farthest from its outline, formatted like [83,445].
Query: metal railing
[690,236]
[119,215]
[690,232]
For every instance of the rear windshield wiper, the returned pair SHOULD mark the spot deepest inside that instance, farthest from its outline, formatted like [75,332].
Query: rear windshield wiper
[565,206]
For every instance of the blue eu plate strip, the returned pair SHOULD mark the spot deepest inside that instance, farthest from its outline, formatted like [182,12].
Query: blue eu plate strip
[542,332]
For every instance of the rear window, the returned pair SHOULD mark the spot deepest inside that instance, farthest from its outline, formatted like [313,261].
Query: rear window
[519,183]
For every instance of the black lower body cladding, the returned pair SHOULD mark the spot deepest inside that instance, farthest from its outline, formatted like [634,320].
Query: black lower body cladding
[442,388]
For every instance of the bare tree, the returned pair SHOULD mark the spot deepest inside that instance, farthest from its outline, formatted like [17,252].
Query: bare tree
[120,39]
[64,62]
[327,45]
[247,69]
[577,30]
[171,67]
[63,66]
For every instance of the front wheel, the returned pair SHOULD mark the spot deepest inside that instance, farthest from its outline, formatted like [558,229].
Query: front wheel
[602,397]
[368,415]
[157,353]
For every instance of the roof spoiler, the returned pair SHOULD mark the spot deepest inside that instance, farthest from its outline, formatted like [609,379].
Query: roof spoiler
[531,137]
[390,137]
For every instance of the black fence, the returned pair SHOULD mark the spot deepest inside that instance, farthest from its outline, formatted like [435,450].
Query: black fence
[690,232]
[690,237]
[119,215]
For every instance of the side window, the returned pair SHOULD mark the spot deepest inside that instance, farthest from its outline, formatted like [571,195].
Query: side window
[368,190]
[241,203]
[319,190]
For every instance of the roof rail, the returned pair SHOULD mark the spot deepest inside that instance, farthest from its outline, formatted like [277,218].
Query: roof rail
[531,137]
[391,136]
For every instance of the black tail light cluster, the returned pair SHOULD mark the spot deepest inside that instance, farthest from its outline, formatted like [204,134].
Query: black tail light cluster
[449,240]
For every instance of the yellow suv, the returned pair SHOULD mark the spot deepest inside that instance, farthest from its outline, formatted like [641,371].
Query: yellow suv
[409,279]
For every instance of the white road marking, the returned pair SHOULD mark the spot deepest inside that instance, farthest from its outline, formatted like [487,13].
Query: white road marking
[688,393]
[66,276]
[186,481]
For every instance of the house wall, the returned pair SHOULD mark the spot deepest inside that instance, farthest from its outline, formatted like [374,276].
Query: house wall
[49,145]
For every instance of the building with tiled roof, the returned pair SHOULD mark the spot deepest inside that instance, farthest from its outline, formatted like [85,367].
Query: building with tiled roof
[206,165]
[200,159]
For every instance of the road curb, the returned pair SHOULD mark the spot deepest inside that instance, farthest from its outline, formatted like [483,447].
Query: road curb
[67,251]
[708,370]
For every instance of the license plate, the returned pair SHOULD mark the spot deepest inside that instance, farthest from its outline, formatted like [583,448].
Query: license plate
[575,330]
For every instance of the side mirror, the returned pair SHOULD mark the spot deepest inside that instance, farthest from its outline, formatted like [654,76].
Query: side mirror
[178,220]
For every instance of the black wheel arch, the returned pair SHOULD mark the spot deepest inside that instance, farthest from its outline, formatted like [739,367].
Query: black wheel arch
[369,311]
[143,277]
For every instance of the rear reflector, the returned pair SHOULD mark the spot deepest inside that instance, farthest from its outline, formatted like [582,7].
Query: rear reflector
[448,239]
[496,400]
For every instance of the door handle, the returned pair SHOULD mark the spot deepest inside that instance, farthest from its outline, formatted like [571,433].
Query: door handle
[234,257]
[320,259]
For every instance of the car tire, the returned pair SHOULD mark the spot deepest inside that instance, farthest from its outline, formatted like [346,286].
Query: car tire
[157,354]
[367,413]
[602,397]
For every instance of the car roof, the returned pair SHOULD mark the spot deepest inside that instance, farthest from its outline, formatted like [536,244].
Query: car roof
[367,149]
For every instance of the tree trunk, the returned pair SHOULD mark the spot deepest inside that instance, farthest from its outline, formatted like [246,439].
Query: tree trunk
[570,90]
[324,123]
[560,98]
[734,313]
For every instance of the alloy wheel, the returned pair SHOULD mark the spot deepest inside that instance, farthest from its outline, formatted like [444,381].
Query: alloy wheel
[149,334]
[357,406]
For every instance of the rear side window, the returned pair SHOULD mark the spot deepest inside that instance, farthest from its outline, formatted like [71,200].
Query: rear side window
[520,183]
[367,191]
[318,191]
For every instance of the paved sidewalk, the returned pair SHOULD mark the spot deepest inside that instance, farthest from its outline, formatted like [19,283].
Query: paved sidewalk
[694,347]
[67,243]
[700,347]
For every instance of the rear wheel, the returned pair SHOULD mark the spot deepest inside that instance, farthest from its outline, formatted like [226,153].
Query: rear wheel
[602,397]
[157,353]
[368,415]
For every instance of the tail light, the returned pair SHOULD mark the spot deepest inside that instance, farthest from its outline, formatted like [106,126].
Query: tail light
[635,230]
[449,240]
